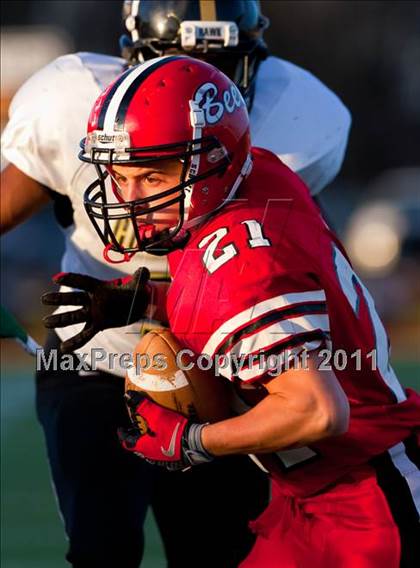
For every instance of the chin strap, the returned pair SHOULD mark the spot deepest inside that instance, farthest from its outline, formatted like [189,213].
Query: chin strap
[146,231]
[127,256]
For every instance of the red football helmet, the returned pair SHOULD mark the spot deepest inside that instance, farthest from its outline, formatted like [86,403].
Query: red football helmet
[169,107]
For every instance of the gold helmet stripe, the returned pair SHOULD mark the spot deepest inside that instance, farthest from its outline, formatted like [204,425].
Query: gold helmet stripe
[208,10]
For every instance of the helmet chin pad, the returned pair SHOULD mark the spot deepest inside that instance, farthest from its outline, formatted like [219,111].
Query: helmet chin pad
[146,230]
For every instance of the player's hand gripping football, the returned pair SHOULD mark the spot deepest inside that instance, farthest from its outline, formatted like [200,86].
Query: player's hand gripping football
[104,304]
[161,436]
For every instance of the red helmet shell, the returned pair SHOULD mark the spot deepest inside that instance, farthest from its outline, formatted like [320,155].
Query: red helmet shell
[171,101]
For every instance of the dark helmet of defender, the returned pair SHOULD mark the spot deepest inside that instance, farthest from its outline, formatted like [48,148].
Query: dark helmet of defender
[227,34]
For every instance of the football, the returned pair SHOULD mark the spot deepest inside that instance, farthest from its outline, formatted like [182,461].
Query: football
[195,393]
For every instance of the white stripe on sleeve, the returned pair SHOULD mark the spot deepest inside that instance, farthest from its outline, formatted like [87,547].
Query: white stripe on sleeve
[281,331]
[274,365]
[257,311]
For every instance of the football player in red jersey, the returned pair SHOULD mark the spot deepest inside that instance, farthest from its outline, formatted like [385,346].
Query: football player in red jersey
[263,291]
[103,521]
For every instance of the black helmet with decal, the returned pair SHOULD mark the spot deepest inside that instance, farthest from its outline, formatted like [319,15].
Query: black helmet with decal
[227,34]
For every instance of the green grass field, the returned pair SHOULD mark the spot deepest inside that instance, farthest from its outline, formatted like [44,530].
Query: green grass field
[31,531]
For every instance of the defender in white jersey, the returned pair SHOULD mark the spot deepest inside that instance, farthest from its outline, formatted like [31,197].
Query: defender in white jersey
[292,114]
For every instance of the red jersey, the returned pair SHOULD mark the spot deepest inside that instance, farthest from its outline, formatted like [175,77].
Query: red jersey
[264,280]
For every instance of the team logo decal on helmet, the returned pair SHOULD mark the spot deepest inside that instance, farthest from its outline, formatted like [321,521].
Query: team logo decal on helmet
[208,97]
[169,108]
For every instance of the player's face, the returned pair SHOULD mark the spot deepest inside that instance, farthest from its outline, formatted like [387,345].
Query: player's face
[149,179]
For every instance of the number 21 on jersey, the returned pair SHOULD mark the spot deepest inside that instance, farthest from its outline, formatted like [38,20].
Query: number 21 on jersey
[215,257]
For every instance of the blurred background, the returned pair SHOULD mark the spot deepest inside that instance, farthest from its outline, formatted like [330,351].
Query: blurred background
[368,53]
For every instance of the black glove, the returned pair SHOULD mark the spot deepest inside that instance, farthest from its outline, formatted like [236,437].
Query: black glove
[105,304]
